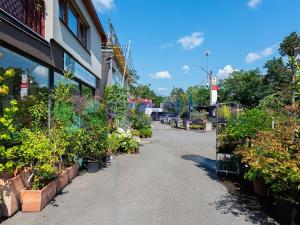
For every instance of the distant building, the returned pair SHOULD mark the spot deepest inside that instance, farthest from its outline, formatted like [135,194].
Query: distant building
[119,67]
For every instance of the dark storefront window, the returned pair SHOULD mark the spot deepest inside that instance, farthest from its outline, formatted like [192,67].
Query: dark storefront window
[37,76]
[79,71]
[58,78]
[29,85]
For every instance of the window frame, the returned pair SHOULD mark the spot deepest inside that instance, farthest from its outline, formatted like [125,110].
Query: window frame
[65,6]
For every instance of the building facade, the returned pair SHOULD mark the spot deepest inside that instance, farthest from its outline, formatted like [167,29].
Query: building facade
[118,63]
[41,39]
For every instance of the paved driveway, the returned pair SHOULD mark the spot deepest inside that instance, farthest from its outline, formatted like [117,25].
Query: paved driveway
[172,182]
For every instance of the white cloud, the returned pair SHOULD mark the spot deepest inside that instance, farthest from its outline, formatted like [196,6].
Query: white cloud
[103,5]
[162,89]
[186,69]
[254,3]
[192,41]
[225,72]
[254,56]
[167,45]
[161,75]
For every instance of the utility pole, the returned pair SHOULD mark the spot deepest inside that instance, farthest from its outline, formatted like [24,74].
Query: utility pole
[209,74]
[126,59]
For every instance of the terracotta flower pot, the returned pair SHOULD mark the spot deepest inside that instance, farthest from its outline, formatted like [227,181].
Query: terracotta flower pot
[36,200]
[62,181]
[10,188]
[260,188]
[72,171]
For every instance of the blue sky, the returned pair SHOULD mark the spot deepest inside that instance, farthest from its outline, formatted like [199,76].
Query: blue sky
[170,37]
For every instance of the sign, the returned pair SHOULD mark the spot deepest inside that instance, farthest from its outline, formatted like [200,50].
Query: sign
[214,91]
[215,87]
[24,86]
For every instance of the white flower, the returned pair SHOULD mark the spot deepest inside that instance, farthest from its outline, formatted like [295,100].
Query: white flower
[120,130]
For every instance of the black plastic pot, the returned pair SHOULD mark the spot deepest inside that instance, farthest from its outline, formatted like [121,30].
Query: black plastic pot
[93,166]
[287,211]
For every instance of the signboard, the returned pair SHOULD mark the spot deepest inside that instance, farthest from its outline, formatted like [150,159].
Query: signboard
[215,87]
[24,86]
[214,91]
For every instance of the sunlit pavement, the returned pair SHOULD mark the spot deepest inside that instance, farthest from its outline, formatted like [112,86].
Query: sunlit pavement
[171,182]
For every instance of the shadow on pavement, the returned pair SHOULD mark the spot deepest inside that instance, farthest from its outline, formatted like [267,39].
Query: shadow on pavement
[239,201]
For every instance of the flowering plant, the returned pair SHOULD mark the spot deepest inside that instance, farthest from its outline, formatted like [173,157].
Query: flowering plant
[125,141]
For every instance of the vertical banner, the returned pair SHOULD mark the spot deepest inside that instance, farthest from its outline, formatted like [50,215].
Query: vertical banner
[24,86]
[214,91]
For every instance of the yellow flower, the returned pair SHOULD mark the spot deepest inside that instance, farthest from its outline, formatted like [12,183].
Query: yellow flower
[9,73]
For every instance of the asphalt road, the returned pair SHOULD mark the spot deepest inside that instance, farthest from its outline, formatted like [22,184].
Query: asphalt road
[171,182]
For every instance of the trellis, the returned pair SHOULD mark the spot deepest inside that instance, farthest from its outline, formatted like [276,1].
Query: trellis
[29,12]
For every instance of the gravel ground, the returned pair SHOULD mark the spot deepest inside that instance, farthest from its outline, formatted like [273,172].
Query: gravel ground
[171,182]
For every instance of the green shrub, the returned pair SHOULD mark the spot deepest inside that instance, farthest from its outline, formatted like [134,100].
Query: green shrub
[116,100]
[96,126]
[38,152]
[197,127]
[8,131]
[146,132]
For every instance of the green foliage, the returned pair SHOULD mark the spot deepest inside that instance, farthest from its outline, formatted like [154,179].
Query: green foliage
[274,157]
[197,126]
[39,112]
[145,132]
[7,127]
[114,142]
[139,120]
[41,155]
[244,87]
[116,99]
[248,123]
[224,113]
[96,127]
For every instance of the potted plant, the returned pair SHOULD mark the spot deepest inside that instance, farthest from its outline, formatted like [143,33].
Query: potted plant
[38,153]
[96,143]
[12,178]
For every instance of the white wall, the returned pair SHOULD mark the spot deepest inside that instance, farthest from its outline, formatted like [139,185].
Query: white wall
[57,30]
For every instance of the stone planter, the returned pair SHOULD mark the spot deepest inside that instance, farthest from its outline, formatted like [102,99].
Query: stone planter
[93,166]
[260,188]
[62,181]
[36,200]
[10,189]
[72,171]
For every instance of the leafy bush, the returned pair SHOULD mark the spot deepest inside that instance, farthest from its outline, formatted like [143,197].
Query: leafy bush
[38,152]
[146,132]
[274,157]
[116,99]
[124,141]
[7,127]
[247,124]
[96,126]
[140,120]
[197,127]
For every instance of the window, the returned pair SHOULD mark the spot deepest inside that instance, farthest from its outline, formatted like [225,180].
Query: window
[58,78]
[72,20]
[82,33]
[62,9]
[71,17]
[79,71]
[37,76]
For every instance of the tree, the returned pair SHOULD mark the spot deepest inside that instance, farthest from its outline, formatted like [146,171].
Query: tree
[291,47]
[201,95]
[244,87]
[142,91]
